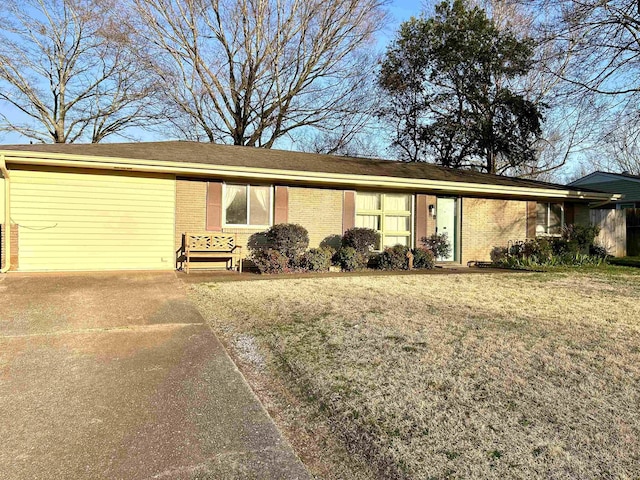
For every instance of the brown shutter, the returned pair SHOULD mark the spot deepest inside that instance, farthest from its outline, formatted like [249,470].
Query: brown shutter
[348,210]
[281,203]
[421,218]
[214,206]
[532,217]
[569,213]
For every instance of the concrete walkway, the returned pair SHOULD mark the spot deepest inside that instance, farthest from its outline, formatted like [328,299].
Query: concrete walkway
[116,376]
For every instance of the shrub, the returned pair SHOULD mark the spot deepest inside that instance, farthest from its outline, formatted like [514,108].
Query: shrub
[438,243]
[373,260]
[270,261]
[552,251]
[316,260]
[394,258]
[499,254]
[363,240]
[288,239]
[332,242]
[350,259]
[598,250]
[580,238]
[423,258]
[539,249]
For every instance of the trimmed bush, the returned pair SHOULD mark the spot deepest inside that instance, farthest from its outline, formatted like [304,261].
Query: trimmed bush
[288,239]
[423,258]
[332,242]
[270,261]
[316,260]
[394,258]
[350,259]
[363,240]
[438,243]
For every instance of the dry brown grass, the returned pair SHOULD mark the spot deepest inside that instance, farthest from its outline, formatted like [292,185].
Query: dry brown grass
[460,376]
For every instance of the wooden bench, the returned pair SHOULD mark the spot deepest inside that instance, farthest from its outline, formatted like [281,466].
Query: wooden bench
[211,245]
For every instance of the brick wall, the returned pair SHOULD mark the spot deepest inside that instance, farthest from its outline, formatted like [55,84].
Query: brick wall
[488,223]
[581,214]
[191,207]
[14,246]
[318,210]
[431,222]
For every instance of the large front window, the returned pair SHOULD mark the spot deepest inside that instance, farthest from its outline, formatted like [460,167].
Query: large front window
[549,218]
[387,213]
[247,205]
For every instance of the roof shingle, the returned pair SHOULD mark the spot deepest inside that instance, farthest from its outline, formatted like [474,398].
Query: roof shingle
[229,155]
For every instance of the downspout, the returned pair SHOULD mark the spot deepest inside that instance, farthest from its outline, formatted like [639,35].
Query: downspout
[6,238]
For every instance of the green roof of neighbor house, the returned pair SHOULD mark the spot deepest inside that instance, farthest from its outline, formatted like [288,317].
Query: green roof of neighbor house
[228,155]
[623,183]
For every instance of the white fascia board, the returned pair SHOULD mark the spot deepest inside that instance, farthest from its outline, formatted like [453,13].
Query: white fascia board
[224,171]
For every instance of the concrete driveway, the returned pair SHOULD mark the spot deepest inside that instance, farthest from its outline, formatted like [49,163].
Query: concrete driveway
[116,376]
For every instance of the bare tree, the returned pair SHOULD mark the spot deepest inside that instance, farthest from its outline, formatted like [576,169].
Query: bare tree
[619,148]
[67,73]
[597,45]
[571,117]
[250,72]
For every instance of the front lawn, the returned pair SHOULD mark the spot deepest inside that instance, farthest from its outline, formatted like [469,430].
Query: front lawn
[528,375]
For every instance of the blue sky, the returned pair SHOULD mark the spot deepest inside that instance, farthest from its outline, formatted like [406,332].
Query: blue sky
[401,10]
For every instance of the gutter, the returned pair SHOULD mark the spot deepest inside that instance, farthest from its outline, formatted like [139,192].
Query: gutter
[225,171]
[6,238]
[605,202]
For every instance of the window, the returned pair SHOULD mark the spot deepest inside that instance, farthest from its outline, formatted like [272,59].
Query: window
[549,218]
[624,206]
[247,205]
[387,213]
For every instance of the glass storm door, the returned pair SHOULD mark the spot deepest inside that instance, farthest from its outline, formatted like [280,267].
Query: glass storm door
[446,217]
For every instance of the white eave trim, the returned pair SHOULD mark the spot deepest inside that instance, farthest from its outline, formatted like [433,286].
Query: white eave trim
[276,175]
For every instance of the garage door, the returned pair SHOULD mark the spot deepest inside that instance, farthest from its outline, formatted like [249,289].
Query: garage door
[93,220]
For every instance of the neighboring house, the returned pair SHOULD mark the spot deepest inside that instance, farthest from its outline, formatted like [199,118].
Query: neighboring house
[127,206]
[623,183]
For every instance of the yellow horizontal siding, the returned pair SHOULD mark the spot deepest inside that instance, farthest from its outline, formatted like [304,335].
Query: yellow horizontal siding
[1,202]
[96,193]
[107,217]
[89,221]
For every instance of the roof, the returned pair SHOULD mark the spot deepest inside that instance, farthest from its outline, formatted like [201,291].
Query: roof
[182,152]
[623,183]
[600,176]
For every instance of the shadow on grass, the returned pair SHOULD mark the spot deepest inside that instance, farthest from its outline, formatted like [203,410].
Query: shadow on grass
[626,262]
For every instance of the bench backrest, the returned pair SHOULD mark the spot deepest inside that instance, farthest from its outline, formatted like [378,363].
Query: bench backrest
[210,242]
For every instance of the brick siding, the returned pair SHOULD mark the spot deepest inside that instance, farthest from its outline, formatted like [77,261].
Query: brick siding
[318,210]
[431,221]
[488,223]
[581,214]
[14,246]
[191,208]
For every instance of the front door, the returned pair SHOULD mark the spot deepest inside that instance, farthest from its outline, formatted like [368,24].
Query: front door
[446,220]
